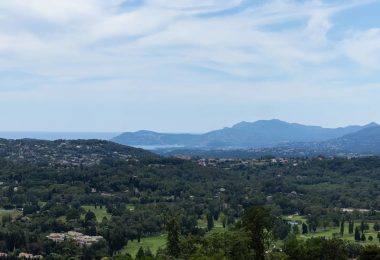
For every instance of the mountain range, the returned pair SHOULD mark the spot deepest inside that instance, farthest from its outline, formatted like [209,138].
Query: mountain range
[259,134]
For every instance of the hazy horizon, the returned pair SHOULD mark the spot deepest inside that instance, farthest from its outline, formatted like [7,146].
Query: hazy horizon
[54,135]
[186,66]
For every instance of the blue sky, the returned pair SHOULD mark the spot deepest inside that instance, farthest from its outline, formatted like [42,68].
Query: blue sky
[186,65]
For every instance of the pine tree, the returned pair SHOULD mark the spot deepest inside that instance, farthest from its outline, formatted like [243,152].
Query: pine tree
[363,238]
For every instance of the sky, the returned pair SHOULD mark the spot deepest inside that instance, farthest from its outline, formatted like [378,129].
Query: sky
[187,65]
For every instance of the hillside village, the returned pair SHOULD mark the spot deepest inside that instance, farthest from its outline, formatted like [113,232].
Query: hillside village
[64,152]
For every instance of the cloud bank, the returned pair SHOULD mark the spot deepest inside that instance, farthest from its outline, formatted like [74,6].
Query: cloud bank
[152,63]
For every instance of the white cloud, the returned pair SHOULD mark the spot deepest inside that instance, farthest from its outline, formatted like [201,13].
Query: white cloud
[170,50]
[364,48]
[100,30]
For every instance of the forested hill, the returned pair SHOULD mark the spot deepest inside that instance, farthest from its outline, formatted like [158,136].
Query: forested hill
[365,141]
[68,151]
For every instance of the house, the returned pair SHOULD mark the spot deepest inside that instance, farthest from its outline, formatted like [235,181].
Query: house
[82,240]
[23,255]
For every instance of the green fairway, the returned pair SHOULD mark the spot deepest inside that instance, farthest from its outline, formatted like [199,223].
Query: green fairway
[100,213]
[153,243]
[218,224]
[13,213]
[130,207]
[331,232]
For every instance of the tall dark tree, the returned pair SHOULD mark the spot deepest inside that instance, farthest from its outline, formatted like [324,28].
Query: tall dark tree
[296,230]
[210,221]
[357,234]
[370,253]
[362,226]
[140,253]
[304,229]
[376,226]
[172,228]
[341,231]
[350,227]
[90,219]
[258,222]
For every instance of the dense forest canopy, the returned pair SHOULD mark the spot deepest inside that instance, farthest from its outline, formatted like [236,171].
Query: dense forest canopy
[115,201]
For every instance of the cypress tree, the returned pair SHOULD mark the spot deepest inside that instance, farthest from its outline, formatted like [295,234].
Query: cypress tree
[296,230]
[210,221]
[304,229]
[362,226]
[357,234]
[342,228]
[376,226]
[140,254]
[351,227]
[173,238]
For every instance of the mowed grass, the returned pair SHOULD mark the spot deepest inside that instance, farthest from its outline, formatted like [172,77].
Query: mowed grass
[100,213]
[218,224]
[130,207]
[13,213]
[331,232]
[152,242]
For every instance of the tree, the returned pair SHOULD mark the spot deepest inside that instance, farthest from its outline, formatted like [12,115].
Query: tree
[304,229]
[140,254]
[294,248]
[376,226]
[258,222]
[210,221]
[362,226]
[313,222]
[90,218]
[296,230]
[341,228]
[363,238]
[370,253]
[173,237]
[148,252]
[357,234]
[350,227]
[116,238]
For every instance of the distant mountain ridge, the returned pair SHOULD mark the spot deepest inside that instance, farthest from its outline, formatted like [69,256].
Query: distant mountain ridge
[244,135]
[365,141]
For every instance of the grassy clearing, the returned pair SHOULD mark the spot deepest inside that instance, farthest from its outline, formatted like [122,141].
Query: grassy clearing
[218,224]
[330,232]
[100,213]
[153,243]
[130,207]
[13,213]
